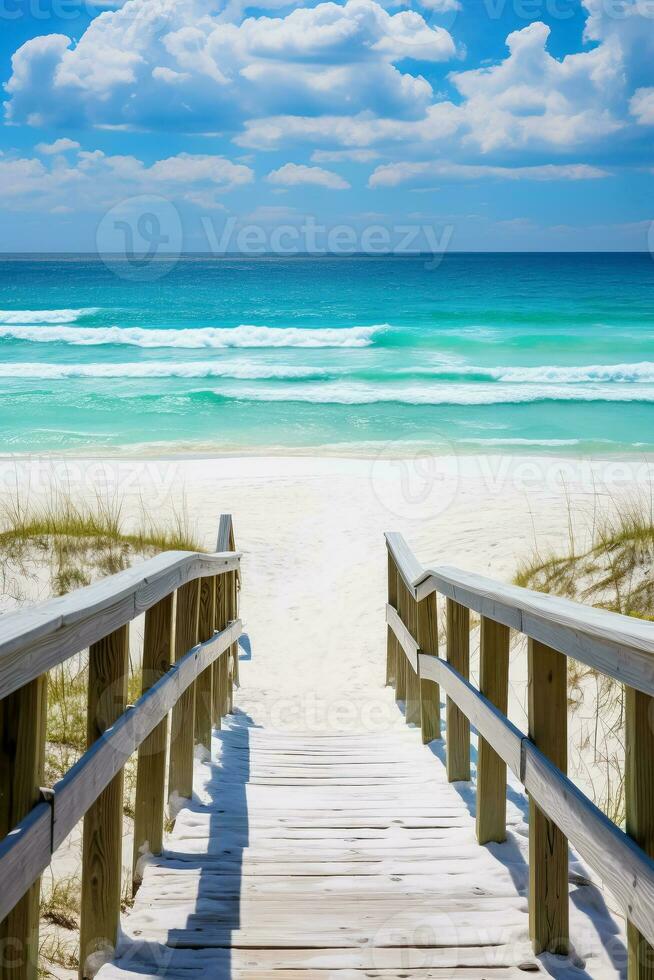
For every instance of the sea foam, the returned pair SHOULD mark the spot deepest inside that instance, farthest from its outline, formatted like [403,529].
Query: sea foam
[208,337]
[240,371]
[45,316]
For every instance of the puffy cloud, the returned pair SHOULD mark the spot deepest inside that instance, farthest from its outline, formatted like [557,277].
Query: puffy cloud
[97,181]
[393,174]
[440,121]
[62,145]
[156,63]
[529,100]
[343,156]
[533,99]
[642,106]
[292,174]
[627,26]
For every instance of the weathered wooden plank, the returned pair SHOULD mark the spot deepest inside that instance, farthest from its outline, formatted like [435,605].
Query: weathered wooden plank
[639,800]
[151,771]
[204,684]
[391,641]
[407,643]
[548,848]
[22,739]
[221,674]
[457,724]
[103,821]
[402,662]
[24,854]
[408,567]
[34,640]
[618,646]
[182,727]
[491,767]
[430,694]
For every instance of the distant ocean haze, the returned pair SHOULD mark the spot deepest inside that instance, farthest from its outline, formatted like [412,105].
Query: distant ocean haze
[533,352]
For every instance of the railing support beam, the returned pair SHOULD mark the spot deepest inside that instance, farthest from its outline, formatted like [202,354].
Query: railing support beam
[182,729]
[409,616]
[391,642]
[548,847]
[22,745]
[151,771]
[639,798]
[458,726]
[103,821]
[491,769]
[204,684]
[430,693]
[402,666]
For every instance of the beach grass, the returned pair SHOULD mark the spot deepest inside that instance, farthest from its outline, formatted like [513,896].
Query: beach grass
[609,565]
[612,570]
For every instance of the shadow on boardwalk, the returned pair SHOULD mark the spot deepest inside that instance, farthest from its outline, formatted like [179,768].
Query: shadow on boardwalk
[218,815]
[584,895]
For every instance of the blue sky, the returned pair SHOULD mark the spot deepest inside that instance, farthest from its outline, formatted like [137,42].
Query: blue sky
[476,124]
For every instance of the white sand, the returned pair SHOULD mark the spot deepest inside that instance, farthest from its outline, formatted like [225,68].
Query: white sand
[314,567]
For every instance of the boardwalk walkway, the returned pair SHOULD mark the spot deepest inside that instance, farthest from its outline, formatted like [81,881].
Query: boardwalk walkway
[324,853]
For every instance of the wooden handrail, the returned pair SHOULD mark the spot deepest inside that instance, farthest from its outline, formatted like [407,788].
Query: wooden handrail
[44,635]
[35,639]
[622,647]
[619,646]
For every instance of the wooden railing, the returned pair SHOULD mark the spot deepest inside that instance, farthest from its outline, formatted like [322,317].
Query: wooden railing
[188,669]
[618,646]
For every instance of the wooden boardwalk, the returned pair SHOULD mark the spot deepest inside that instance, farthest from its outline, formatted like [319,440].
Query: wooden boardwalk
[324,853]
[344,856]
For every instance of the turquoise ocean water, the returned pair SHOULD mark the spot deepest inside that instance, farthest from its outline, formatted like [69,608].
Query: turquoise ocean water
[527,352]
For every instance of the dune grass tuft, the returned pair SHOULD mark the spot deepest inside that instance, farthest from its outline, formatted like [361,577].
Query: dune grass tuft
[613,570]
[609,565]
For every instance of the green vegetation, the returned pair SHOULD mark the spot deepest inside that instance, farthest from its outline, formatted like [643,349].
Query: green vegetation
[82,542]
[614,571]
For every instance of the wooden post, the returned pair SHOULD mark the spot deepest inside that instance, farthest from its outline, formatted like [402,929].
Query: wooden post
[457,725]
[151,771]
[548,848]
[491,769]
[103,822]
[639,799]
[237,586]
[221,667]
[430,692]
[232,656]
[22,744]
[412,676]
[182,729]
[401,667]
[204,683]
[391,642]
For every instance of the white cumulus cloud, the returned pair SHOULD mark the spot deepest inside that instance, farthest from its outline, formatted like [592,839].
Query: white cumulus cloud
[170,63]
[293,174]
[394,174]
